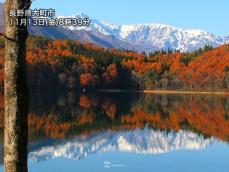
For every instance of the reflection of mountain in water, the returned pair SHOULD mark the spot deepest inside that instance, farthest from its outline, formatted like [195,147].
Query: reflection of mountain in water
[144,141]
[52,119]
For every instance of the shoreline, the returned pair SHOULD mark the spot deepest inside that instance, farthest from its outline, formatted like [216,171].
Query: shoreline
[166,92]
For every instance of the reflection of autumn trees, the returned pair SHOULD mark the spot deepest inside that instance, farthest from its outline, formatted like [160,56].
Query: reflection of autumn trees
[203,115]
[86,114]
[207,115]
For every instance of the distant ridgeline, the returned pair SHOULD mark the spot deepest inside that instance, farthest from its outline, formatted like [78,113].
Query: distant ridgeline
[64,65]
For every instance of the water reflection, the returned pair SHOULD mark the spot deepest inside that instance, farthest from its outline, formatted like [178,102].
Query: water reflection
[143,141]
[73,115]
[81,126]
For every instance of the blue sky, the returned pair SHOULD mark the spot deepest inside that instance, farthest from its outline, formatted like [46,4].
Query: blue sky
[210,15]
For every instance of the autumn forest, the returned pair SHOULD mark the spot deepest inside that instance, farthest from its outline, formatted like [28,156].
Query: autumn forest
[70,65]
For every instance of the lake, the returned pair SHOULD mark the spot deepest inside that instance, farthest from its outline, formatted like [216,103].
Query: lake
[128,132]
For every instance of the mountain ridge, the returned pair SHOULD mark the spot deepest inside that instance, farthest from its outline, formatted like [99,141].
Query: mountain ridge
[155,36]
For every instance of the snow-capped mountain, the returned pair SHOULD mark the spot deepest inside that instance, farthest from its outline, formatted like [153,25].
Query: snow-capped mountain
[144,141]
[139,37]
[155,36]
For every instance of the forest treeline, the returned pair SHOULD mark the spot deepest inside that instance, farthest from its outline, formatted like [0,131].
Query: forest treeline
[65,64]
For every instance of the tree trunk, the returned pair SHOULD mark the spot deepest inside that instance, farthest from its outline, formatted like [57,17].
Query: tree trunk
[15,92]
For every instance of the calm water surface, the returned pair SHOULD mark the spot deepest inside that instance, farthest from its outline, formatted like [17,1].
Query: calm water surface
[128,132]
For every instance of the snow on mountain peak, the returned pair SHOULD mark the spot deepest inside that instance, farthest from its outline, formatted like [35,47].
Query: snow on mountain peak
[155,36]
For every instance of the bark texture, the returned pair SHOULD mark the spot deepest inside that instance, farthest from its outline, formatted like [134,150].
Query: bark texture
[15,92]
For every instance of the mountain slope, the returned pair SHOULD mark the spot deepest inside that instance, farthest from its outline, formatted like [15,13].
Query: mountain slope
[82,36]
[156,36]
